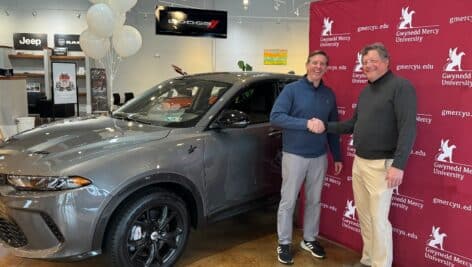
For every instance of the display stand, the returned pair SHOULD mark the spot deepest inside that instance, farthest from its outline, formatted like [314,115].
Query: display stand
[36,67]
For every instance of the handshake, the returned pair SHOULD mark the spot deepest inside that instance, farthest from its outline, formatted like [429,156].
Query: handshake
[315,125]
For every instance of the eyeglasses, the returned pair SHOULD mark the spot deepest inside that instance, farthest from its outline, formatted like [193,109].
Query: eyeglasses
[370,61]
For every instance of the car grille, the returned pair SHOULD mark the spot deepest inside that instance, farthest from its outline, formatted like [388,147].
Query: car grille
[11,234]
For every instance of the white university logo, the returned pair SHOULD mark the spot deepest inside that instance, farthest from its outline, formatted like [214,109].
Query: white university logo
[405,19]
[454,60]
[437,238]
[327,25]
[358,67]
[350,210]
[445,151]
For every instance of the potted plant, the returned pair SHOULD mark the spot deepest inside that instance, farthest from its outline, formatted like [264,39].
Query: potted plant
[244,66]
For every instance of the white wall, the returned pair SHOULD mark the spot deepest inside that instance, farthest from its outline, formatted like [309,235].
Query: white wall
[53,16]
[152,63]
[247,41]
[249,33]
[262,27]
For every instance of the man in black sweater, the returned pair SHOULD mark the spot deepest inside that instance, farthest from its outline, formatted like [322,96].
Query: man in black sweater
[384,127]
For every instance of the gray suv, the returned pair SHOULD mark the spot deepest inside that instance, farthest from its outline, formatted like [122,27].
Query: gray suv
[187,152]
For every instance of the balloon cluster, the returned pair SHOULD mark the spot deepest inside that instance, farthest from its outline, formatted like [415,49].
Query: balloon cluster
[105,21]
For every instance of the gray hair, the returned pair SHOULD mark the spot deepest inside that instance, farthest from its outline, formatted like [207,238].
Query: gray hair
[379,47]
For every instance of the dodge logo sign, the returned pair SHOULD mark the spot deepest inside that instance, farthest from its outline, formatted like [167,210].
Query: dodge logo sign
[191,22]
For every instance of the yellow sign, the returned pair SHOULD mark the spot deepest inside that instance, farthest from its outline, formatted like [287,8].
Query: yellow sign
[275,56]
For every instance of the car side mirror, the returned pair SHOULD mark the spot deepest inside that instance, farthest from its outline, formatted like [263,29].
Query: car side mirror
[233,119]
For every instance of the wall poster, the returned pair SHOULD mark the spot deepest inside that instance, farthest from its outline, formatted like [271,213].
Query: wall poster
[64,82]
[275,56]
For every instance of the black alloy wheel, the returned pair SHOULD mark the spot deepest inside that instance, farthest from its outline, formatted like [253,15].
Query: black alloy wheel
[149,231]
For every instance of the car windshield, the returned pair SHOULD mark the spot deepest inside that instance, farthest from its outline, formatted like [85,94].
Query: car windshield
[174,103]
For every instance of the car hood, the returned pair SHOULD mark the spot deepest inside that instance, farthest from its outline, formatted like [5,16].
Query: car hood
[72,141]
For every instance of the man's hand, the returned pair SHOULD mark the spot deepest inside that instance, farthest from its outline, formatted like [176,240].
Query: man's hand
[316,126]
[310,125]
[394,177]
[338,167]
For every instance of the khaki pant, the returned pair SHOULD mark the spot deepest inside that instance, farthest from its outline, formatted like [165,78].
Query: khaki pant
[372,198]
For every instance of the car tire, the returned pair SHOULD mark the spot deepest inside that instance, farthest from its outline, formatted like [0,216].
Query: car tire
[151,230]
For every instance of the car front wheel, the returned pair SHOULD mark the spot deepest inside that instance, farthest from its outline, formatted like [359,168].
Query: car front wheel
[151,230]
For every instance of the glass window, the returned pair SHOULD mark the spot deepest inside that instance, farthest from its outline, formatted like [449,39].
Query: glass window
[174,103]
[256,101]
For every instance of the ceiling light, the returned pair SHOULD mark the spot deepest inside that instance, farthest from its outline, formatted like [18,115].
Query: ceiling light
[34,13]
[246,4]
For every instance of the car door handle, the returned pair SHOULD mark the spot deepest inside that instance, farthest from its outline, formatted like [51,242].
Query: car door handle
[275,133]
[191,149]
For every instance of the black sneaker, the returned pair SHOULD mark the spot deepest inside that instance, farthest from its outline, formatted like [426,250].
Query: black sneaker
[314,247]
[284,254]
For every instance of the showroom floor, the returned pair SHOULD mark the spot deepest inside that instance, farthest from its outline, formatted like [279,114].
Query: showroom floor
[246,240]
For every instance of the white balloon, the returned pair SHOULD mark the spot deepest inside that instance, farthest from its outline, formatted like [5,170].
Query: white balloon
[94,46]
[122,5]
[100,20]
[120,19]
[127,41]
[99,1]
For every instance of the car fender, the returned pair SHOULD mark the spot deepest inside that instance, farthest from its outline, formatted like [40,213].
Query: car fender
[139,183]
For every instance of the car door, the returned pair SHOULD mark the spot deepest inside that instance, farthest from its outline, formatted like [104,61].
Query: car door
[241,163]
[270,180]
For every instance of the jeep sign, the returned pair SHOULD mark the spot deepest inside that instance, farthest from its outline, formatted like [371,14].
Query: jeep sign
[30,41]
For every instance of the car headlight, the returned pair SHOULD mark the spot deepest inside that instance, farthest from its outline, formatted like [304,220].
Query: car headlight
[46,183]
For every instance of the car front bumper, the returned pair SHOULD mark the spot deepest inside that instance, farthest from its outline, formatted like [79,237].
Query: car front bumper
[49,225]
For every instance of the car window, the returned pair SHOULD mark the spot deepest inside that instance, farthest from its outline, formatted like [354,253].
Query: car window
[256,101]
[281,84]
[174,103]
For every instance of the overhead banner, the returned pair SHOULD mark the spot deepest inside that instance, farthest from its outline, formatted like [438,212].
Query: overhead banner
[70,41]
[191,22]
[30,41]
[430,45]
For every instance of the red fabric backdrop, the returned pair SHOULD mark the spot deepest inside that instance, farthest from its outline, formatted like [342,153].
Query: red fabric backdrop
[431,45]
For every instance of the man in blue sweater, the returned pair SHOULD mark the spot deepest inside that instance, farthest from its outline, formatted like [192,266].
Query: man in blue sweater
[304,153]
